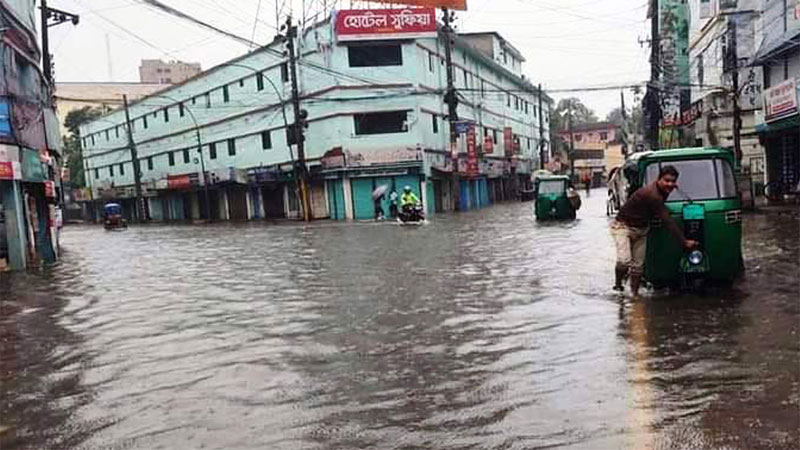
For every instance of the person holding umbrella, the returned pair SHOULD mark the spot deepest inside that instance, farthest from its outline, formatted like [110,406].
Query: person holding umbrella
[377,197]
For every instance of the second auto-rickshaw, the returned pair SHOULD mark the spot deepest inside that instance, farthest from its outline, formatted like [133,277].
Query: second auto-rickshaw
[112,217]
[705,205]
[555,200]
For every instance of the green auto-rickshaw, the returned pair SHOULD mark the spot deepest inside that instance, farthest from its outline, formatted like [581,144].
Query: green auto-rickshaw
[554,198]
[705,205]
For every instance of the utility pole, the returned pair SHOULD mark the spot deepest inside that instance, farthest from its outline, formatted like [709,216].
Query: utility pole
[137,176]
[625,127]
[299,123]
[541,130]
[58,17]
[733,63]
[653,92]
[451,99]
[571,142]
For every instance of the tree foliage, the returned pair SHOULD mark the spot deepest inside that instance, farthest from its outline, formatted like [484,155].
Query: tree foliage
[73,155]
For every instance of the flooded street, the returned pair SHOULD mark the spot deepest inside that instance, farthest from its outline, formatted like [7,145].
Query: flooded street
[480,330]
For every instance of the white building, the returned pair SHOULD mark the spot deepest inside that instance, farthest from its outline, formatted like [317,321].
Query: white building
[376,116]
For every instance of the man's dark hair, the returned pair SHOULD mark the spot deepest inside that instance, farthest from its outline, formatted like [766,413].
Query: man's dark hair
[668,170]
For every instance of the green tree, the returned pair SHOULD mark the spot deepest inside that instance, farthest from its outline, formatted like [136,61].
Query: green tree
[73,155]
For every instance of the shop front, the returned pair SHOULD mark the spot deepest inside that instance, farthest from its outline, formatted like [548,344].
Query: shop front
[780,133]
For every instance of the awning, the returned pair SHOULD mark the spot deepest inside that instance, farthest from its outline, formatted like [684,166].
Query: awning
[779,125]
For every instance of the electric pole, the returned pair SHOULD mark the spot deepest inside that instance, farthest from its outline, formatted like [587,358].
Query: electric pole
[571,142]
[733,65]
[451,99]
[624,128]
[137,176]
[653,92]
[541,130]
[58,17]
[296,129]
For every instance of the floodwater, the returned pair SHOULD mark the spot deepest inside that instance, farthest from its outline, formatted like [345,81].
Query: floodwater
[479,330]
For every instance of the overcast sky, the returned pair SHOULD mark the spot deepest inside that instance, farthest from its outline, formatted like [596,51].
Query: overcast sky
[567,43]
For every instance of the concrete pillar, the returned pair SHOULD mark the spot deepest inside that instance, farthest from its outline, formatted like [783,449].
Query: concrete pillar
[16,238]
[248,200]
[348,198]
[423,186]
[195,206]
[224,212]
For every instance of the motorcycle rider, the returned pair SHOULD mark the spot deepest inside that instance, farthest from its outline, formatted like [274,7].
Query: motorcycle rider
[408,200]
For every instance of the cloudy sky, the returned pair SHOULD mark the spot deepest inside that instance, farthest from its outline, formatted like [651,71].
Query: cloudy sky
[568,44]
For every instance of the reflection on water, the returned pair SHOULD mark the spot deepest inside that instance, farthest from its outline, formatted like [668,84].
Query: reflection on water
[479,330]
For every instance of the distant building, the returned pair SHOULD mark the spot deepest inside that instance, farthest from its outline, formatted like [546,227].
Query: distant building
[107,96]
[155,71]
[375,115]
[598,149]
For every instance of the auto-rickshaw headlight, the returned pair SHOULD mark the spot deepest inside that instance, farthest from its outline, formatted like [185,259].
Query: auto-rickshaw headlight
[695,257]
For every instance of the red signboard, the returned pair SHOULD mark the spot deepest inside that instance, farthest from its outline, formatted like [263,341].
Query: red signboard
[364,24]
[179,182]
[10,170]
[472,152]
[488,144]
[49,189]
[459,5]
[508,141]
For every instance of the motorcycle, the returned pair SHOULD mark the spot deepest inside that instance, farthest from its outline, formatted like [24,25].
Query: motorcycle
[411,214]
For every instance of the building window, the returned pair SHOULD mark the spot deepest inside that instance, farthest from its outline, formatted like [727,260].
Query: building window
[603,135]
[208,99]
[225,96]
[92,138]
[116,131]
[260,81]
[529,143]
[435,124]
[241,82]
[526,107]
[194,100]
[111,171]
[483,89]
[508,100]
[381,123]
[231,147]
[466,79]
[430,61]
[266,140]
[122,169]
[144,122]
[180,109]
[186,156]
[212,151]
[285,72]
[107,138]
[494,137]
[150,163]
[171,158]
[96,173]
[375,55]
[700,68]
[166,114]
[578,137]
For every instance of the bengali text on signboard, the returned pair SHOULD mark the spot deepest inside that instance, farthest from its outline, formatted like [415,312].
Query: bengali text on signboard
[365,24]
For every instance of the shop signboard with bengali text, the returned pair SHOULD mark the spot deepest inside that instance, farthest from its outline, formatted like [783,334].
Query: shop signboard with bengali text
[780,101]
[369,24]
[458,5]
[472,152]
[10,170]
[488,144]
[508,141]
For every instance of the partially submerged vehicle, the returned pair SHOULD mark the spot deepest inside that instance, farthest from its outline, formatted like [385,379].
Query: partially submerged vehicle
[555,199]
[112,217]
[705,205]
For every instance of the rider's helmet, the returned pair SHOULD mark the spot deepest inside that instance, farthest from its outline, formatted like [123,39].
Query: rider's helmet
[407,189]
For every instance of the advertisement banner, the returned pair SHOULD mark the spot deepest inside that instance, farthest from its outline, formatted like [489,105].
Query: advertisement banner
[472,152]
[367,24]
[488,144]
[50,189]
[10,170]
[508,141]
[780,101]
[182,181]
[458,5]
